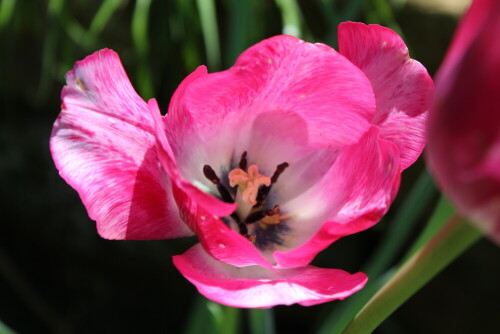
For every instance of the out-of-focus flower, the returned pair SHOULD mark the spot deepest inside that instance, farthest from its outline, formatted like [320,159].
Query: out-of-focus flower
[268,163]
[464,126]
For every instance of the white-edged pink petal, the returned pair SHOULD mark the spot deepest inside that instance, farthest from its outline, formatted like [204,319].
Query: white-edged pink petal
[258,287]
[103,145]
[403,88]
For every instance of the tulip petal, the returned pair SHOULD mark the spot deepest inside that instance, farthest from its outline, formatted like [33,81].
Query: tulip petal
[464,126]
[257,287]
[281,74]
[353,196]
[103,145]
[201,211]
[402,86]
[208,202]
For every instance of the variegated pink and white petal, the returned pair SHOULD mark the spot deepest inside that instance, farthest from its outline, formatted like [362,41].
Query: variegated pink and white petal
[103,145]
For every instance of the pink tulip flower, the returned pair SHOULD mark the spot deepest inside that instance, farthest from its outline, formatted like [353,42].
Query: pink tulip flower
[267,163]
[464,126]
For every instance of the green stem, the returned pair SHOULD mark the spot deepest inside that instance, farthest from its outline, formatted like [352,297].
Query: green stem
[262,321]
[453,239]
[442,213]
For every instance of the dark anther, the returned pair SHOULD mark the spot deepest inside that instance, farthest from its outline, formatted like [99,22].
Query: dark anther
[243,161]
[210,174]
[279,169]
[264,191]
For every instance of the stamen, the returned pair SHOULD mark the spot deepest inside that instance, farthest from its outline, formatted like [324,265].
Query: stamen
[279,169]
[252,191]
[272,216]
[243,161]
[264,191]
[210,175]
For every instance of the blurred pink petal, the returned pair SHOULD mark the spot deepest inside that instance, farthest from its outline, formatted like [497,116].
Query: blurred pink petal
[464,126]
[259,287]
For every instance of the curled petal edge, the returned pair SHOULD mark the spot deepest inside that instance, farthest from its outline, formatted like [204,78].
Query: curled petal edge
[258,287]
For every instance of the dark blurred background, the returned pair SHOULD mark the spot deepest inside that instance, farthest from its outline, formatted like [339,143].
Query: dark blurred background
[58,276]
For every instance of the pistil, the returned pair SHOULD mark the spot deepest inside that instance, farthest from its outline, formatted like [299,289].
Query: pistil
[248,183]
[252,189]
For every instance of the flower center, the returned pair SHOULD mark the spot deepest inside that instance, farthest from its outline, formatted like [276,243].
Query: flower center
[248,185]
[249,189]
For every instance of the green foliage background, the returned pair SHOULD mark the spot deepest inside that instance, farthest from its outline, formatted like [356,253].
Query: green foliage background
[58,276]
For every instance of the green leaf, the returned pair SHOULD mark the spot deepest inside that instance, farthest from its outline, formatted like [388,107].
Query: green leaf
[240,17]
[5,330]
[262,321]
[451,241]
[208,317]
[201,320]
[100,20]
[6,10]
[208,18]
[141,42]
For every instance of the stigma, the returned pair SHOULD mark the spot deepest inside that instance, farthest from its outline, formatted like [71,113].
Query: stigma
[248,183]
